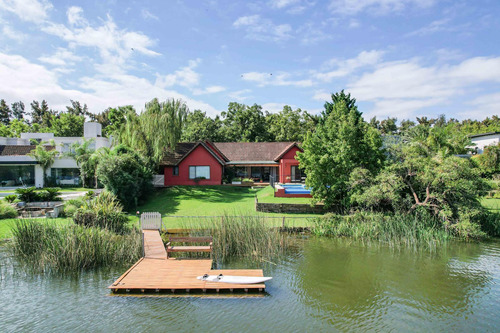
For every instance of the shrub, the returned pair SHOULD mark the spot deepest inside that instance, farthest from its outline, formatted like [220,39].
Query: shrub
[7,211]
[51,194]
[127,176]
[11,198]
[27,194]
[104,211]
[49,247]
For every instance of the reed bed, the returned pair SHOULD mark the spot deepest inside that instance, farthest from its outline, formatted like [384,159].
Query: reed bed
[47,247]
[398,229]
[241,237]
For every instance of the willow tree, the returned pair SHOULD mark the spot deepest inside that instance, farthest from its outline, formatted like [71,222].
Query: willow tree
[158,127]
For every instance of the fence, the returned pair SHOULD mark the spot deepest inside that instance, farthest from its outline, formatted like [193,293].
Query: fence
[158,180]
[275,221]
[151,221]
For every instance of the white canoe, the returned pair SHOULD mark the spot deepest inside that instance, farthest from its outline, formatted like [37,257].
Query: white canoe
[234,279]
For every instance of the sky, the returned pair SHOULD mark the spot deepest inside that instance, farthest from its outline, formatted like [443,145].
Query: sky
[398,58]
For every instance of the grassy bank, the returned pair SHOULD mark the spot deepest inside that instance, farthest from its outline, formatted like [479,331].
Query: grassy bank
[214,201]
[247,237]
[47,247]
[409,230]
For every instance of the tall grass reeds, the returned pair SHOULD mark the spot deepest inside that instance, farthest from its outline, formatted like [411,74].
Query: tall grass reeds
[241,237]
[46,247]
[398,229]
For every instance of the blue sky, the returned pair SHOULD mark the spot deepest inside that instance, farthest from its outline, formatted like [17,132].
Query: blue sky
[399,58]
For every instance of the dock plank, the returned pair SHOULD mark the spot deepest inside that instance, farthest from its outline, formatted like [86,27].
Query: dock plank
[149,273]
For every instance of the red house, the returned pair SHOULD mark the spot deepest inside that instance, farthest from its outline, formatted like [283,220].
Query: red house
[204,163]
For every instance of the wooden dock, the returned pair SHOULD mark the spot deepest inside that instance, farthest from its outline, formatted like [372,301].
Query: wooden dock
[157,273]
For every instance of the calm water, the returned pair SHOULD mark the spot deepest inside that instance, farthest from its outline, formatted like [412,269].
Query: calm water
[325,285]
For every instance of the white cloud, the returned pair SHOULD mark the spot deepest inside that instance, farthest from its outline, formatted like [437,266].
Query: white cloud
[346,67]
[321,95]
[354,23]
[186,76]
[27,10]
[22,80]
[483,106]
[146,14]
[311,33]
[351,7]
[240,95]
[209,90]
[434,26]
[403,87]
[278,79]
[282,3]
[61,58]
[75,16]
[262,29]
[116,46]
[10,33]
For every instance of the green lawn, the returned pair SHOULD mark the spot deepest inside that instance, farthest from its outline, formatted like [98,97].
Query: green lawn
[214,201]
[491,204]
[7,224]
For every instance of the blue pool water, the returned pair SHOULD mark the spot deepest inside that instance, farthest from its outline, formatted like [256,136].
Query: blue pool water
[296,189]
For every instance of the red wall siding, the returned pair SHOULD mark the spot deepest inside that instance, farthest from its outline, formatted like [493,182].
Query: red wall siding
[286,163]
[201,157]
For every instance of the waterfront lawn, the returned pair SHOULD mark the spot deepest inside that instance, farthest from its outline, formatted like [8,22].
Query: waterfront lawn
[212,201]
[6,225]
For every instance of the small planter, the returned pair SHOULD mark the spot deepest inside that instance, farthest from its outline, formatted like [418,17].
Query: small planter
[236,182]
[247,183]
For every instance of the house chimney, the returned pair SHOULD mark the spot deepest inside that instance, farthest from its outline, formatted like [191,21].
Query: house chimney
[92,130]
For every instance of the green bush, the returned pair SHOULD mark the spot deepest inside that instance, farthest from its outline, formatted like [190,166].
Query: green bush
[11,198]
[104,211]
[69,210]
[28,194]
[7,211]
[51,194]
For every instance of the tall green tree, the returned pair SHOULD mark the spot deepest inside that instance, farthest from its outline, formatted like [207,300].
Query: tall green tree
[342,142]
[82,153]
[76,109]
[5,112]
[199,127]
[244,123]
[157,128]
[18,110]
[289,125]
[41,114]
[67,124]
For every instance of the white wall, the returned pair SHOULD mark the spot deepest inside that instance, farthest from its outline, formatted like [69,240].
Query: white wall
[484,141]
[38,176]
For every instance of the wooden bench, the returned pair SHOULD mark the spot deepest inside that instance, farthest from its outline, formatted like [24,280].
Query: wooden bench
[184,248]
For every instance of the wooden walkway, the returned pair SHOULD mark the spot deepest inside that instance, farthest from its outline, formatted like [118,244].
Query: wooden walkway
[156,273]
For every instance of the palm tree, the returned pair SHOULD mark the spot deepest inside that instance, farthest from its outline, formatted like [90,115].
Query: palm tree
[96,157]
[45,156]
[81,153]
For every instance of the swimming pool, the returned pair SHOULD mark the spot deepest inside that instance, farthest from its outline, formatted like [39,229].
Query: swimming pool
[296,189]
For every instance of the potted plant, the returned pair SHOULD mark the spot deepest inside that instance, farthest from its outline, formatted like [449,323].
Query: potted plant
[236,181]
[247,182]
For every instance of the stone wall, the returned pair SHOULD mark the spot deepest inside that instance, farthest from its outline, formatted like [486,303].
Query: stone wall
[288,208]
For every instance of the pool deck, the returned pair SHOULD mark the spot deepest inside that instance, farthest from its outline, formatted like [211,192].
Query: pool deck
[157,273]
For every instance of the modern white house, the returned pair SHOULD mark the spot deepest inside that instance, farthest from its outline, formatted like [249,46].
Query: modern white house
[17,168]
[483,140]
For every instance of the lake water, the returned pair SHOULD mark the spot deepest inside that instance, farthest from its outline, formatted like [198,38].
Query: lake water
[323,285]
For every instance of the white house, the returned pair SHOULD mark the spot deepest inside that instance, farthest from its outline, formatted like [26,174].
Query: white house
[483,140]
[19,169]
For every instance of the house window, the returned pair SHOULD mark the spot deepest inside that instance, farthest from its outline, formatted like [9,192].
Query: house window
[199,172]
[175,171]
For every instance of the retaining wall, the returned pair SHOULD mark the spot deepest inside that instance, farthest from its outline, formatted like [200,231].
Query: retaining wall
[288,208]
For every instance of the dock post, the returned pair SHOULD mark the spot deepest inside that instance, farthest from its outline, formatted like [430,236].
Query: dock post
[283,223]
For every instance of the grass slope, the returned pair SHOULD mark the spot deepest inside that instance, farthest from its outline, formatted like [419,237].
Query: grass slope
[213,201]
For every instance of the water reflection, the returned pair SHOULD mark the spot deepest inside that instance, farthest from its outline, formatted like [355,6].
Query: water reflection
[323,285]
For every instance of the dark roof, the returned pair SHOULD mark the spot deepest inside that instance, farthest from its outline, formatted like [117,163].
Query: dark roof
[483,134]
[172,157]
[231,151]
[18,150]
[182,150]
[253,151]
